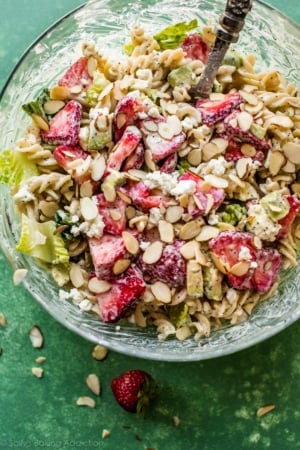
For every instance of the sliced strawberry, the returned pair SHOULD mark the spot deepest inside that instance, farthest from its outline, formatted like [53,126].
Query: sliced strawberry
[214,111]
[126,113]
[141,196]
[233,151]
[233,129]
[287,221]
[65,155]
[169,164]
[269,263]
[162,148]
[195,47]
[124,148]
[203,195]
[77,75]
[105,252]
[119,300]
[170,268]
[136,159]
[108,211]
[266,263]
[64,126]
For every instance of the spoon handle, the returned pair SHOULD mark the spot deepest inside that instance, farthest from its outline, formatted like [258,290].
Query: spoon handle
[230,24]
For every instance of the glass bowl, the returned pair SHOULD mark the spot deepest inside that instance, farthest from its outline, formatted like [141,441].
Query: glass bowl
[274,40]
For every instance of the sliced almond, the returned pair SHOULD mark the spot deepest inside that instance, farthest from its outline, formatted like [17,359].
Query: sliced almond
[165,131]
[218,263]
[93,383]
[289,167]
[153,253]
[138,174]
[86,401]
[59,93]
[121,265]
[40,359]
[276,161]
[209,151]
[245,120]
[221,143]
[130,242]
[121,120]
[19,276]
[292,152]
[3,321]
[149,161]
[92,65]
[124,197]
[194,279]
[265,410]
[53,106]
[166,231]
[161,292]
[36,337]
[109,192]
[86,189]
[37,372]
[98,168]
[257,243]
[150,125]
[188,250]
[281,121]
[216,181]
[98,286]
[207,232]
[99,352]
[296,188]
[195,157]
[248,150]
[88,208]
[115,214]
[76,276]
[175,124]
[40,122]
[130,212]
[76,89]
[242,167]
[189,230]
[240,268]
[174,213]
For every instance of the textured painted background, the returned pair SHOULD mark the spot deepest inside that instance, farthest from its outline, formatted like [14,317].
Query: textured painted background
[216,400]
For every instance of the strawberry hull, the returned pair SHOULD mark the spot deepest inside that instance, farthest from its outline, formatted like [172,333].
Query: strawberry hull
[126,289]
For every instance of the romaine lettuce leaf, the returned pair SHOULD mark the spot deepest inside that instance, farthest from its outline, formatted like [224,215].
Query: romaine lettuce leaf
[37,106]
[15,168]
[173,35]
[40,241]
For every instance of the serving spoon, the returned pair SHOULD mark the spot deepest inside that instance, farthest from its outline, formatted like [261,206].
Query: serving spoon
[231,23]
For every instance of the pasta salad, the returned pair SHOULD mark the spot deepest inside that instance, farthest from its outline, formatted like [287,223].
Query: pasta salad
[149,206]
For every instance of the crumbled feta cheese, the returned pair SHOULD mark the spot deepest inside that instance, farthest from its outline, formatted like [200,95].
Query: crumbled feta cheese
[85,305]
[94,112]
[261,224]
[253,265]
[216,166]
[96,227]
[169,183]
[154,215]
[244,254]
[144,245]
[213,218]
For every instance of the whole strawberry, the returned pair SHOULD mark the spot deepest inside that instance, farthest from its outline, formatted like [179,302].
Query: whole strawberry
[133,390]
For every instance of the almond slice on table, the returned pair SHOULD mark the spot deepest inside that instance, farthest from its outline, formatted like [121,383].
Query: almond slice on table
[93,383]
[36,337]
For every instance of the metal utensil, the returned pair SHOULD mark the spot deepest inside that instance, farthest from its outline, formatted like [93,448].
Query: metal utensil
[230,24]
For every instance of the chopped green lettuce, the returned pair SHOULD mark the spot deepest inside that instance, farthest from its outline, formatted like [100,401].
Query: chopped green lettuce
[233,214]
[98,85]
[183,165]
[37,106]
[173,35]
[15,168]
[40,241]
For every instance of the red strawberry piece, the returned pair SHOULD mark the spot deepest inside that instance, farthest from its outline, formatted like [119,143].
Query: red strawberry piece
[124,148]
[125,290]
[214,111]
[64,126]
[170,268]
[106,209]
[140,195]
[126,113]
[169,164]
[268,266]
[233,151]
[77,75]
[287,221]
[195,47]
[65,155]
[216,193]
[266,263]
[233,129]
[105,252]
[162,148]
[136,159]
[133,390]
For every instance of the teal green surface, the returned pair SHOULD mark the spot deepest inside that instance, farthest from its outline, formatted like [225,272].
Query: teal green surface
[215,400]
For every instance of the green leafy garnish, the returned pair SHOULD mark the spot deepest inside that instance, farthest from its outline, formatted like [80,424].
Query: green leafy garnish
[40,241]
[15,168]
[233,214]
[37,106]
[173,35]
[183,165]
